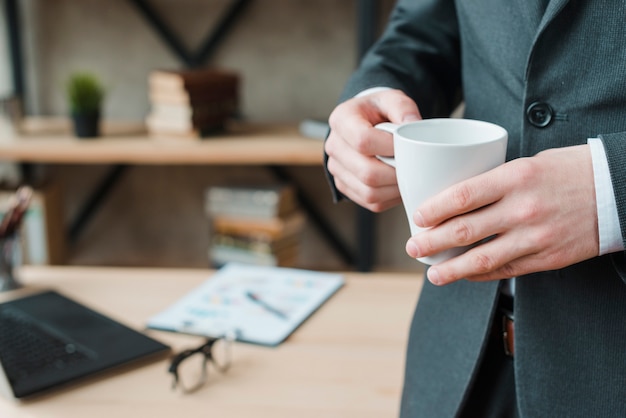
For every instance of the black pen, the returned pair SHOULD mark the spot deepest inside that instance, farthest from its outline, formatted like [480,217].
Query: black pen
[256,299]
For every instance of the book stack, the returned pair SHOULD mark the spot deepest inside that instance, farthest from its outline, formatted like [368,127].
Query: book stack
[191,103]
[254,225]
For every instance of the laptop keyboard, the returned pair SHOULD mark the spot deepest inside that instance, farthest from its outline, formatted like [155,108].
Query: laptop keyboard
[26,347]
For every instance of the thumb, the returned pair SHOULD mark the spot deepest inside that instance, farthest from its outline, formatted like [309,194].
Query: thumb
[398,107]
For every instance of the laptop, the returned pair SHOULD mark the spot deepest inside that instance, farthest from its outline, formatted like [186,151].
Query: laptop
[48,340]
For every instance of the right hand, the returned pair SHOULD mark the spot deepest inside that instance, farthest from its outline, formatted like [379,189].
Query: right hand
[353,144]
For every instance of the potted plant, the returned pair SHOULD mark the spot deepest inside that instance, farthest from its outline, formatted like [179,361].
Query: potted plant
[85,95]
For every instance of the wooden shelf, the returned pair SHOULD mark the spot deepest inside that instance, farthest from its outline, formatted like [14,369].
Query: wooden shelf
[240,144]
[49,141]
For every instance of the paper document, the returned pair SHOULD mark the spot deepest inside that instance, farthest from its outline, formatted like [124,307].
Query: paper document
[260,304]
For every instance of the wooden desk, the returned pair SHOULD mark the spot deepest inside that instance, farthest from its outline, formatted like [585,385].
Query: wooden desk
[345,361]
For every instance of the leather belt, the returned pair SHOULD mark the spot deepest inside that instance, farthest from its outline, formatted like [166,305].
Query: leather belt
[508,335]
[505,308]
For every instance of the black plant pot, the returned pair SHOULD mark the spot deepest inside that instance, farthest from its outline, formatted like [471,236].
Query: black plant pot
[86,125]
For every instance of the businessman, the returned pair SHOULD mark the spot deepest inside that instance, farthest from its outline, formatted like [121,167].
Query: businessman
[530,323]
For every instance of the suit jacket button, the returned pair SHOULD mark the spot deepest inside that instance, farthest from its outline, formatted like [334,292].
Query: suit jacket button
[539,114]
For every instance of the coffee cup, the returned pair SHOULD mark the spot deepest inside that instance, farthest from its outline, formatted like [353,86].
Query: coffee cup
[434,154]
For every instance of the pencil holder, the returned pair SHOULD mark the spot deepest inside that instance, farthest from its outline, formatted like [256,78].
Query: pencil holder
[10,259]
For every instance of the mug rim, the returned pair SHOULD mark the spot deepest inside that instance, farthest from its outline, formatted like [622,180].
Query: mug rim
[502,132]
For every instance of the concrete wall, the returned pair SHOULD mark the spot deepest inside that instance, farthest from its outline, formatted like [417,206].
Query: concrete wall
[5,74]
[294,57]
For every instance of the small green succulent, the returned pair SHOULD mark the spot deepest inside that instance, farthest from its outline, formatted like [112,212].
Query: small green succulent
[85,93]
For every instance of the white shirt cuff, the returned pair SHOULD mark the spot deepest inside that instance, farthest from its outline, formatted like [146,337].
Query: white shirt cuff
[372,90]
[609,231]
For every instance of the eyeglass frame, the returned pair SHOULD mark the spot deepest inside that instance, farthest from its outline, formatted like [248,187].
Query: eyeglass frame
[206,349]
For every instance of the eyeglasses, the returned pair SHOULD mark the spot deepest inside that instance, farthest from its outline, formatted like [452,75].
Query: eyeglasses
[190,368]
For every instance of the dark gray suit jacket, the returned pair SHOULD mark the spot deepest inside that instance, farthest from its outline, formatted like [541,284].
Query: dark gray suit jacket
[501,57]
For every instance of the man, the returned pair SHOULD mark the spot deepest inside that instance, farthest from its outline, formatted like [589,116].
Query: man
[553,73]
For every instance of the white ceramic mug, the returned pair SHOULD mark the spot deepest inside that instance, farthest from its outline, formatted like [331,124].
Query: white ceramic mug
[434,154]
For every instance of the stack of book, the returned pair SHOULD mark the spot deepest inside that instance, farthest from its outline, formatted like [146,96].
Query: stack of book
[254,225]
[191,103]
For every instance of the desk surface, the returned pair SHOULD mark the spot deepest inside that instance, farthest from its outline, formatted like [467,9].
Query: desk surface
[128,144]
[345,361]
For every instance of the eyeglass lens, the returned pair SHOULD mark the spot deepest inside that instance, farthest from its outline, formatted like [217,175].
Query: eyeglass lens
[190,368]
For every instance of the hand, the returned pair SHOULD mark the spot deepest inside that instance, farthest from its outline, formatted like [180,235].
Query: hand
[353,144]
[540,211]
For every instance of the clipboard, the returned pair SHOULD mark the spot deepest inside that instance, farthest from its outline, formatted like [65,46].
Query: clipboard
[257,304]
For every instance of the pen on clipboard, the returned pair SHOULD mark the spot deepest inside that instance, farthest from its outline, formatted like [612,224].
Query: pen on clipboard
[269,308]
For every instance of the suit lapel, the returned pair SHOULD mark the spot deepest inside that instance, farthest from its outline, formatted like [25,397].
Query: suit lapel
[553,9]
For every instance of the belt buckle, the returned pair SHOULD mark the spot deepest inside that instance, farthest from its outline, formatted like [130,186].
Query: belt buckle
[508,335]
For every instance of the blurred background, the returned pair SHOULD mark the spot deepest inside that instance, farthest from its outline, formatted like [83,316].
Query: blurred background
[294,57]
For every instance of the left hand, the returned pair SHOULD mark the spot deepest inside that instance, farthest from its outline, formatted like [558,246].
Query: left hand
[540,211]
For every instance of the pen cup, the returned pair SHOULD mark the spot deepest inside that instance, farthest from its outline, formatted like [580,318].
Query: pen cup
[10,259]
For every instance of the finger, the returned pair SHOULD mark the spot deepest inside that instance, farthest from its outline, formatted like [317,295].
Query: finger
[498,258]
[458,232]
[367,140]
[355,120]
[364,180]
[355,184]
[461,198]
[379,200]
[345,161]
[395,106]
[524,265]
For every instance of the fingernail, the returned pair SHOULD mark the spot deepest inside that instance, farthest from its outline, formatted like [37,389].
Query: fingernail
[412,249]
[410,118]
[418,218]
[433,276]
